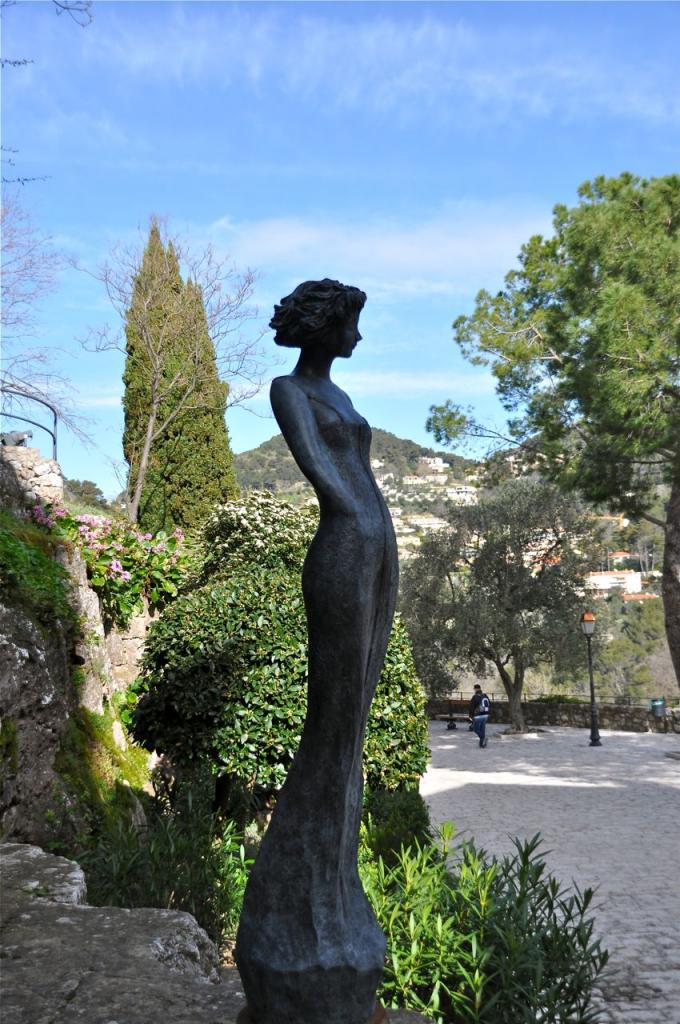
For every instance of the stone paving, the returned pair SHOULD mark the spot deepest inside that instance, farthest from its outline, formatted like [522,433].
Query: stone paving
[610,818]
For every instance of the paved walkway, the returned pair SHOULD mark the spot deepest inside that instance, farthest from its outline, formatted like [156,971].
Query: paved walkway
[610,817]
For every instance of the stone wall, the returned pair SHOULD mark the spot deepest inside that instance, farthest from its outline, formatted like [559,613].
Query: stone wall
[37,698]
[99,681]
[110,661]
[124,647]
[539,713]
[26,477]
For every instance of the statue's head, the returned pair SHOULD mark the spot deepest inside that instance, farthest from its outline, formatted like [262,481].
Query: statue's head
[313,311]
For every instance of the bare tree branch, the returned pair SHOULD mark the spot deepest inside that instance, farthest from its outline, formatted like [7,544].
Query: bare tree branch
[29,269]
[79,10]
[30,266]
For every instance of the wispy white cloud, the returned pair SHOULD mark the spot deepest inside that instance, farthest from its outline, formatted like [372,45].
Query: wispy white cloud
[402,384]
[90,130]
[397,64]
[453,252]
[104,397]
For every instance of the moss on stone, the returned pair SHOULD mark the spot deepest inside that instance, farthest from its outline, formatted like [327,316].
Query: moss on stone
[30,576]
[100,778]
[9,749]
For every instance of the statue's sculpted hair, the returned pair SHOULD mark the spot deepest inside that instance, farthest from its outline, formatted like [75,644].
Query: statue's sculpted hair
[304,316]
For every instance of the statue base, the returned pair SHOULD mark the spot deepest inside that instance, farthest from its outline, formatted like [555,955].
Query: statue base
[379,1016]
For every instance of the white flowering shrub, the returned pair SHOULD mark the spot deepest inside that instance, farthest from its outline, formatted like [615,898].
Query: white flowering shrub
[257,528]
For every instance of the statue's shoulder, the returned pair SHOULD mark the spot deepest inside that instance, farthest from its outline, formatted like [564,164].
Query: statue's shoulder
[286,386]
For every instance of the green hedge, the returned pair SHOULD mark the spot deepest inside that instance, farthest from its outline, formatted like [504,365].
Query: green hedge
[224,681]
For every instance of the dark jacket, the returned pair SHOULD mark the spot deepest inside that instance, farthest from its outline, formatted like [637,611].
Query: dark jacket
[475,708]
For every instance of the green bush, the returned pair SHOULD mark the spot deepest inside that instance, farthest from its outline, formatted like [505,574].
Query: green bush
[483,941]
[394,819]
[224,681]
[223,677]
[185,859]
[395,750]
[224,669]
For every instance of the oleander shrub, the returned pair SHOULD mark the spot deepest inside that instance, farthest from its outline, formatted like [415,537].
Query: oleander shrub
[185,859]
[478,940]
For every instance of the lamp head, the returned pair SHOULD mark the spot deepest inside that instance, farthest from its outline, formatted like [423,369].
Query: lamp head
[588,621]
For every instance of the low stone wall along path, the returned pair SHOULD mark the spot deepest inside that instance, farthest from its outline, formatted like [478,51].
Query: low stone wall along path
[610,818]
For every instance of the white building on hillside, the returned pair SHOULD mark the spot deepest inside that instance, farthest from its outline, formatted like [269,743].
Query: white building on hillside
[627,580]
[426,522]
[433,462]
[462,494]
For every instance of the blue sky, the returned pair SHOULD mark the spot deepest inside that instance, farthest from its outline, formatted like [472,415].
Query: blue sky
[407,148]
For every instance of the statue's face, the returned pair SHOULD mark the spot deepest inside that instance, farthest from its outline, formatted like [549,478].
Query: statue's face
[346,336]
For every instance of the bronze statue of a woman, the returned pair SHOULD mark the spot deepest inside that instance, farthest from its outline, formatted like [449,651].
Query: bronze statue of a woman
[308,946]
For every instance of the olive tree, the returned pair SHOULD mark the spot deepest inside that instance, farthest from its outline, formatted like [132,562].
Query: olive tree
[499,590]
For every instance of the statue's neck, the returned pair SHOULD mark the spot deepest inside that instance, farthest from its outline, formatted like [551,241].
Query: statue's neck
[314,361]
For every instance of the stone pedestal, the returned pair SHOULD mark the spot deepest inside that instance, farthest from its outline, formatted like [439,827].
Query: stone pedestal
[27,477]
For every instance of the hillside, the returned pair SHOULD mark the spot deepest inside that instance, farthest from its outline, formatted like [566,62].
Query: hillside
[272,467]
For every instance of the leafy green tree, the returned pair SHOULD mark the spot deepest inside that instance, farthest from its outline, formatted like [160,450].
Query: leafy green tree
[644,540]
[224,672]
[627,636]
[175,440]
[499,590]
[86,492]
[584,341]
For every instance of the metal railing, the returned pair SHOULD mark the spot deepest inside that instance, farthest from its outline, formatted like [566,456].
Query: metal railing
[610,699]
[25,396]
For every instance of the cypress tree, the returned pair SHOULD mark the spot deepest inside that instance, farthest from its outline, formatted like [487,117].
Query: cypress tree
[175,440]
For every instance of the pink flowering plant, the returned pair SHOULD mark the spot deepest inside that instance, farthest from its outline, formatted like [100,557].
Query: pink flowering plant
[124,565]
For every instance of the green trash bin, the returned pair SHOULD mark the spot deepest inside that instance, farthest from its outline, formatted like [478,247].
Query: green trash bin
[658,707]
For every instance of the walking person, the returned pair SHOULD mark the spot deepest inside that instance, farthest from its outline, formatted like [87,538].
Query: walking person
[480,705]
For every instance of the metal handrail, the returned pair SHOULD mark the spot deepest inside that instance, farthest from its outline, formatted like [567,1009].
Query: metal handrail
[24,419]
[499,697]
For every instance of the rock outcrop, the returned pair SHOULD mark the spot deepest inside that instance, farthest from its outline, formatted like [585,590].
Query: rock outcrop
[36,701]
[66,962]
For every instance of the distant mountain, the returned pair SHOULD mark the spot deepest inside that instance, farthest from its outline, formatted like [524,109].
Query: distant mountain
[271,466]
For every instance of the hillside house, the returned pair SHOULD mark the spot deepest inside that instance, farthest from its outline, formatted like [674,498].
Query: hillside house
[628,580]
[462,494]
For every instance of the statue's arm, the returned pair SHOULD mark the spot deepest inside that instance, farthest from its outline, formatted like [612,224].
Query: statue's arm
[294,416]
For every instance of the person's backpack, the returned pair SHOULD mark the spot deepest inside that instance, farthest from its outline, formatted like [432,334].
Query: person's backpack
[485,706]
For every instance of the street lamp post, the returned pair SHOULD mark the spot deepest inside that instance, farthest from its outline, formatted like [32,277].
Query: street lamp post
[588,628]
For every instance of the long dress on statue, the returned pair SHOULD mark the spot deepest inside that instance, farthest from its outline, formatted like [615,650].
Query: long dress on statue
[306,921]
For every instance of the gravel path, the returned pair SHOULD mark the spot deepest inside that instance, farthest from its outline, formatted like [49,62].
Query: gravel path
[610,817]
